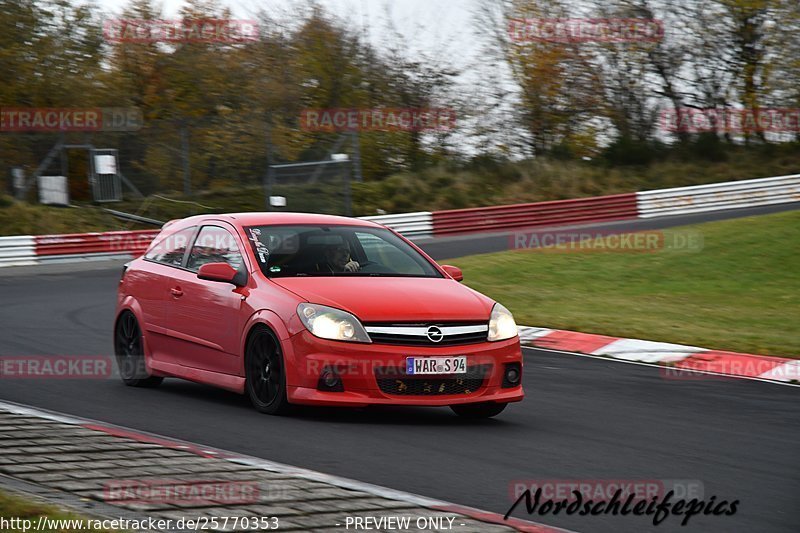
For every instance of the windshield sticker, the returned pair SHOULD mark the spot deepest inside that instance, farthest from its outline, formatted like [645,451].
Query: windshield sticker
[261,249]
[274,269]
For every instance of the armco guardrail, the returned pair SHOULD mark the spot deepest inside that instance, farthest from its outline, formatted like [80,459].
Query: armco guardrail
[17,251]
[418,224]
[718,196]
[134,218]
[559,212]
[110,244]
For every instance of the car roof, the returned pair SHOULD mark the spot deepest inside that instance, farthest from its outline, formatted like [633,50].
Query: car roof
[283,218]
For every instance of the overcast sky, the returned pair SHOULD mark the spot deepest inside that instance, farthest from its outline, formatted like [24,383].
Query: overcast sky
[439,28]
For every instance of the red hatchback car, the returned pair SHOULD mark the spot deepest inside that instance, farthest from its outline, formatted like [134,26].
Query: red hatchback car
[293,308]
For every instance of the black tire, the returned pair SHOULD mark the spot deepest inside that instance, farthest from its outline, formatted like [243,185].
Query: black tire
[478,410]
[129,351]
[265,379]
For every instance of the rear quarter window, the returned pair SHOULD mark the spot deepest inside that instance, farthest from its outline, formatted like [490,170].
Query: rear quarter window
[170,250]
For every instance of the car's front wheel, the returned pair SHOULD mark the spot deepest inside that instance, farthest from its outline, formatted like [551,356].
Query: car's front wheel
[129,351]
[265,379]
[478,410]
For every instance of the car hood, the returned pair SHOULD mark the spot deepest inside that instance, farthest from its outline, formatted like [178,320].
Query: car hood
[383,299]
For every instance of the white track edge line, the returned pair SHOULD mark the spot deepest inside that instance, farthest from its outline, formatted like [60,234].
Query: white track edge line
[235,457]
[272,466]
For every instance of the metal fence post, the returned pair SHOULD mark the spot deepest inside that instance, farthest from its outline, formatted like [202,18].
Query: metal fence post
[357,157]
[187,179]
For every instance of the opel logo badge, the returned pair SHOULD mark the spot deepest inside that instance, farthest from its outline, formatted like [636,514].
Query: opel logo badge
[434,334]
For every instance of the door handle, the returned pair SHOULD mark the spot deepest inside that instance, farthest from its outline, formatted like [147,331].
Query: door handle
[176,292]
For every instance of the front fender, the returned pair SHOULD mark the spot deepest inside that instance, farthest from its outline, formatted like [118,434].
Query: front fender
[271,320]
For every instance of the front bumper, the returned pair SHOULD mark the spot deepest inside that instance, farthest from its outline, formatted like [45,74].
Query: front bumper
[374,374]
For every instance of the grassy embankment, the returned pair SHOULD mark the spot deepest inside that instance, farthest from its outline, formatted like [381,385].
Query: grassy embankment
[484,183]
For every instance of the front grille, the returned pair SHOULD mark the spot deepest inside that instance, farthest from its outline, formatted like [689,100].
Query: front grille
[415,334]
[393,380]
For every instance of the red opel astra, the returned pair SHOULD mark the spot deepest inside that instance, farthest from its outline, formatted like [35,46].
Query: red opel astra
[293,308]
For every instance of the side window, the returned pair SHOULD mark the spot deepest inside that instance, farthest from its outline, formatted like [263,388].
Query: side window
[171,249]
[214,245]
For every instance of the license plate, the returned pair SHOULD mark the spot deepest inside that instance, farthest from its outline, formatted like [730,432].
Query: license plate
[436,365]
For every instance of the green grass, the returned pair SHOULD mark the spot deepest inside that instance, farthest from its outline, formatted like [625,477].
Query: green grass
[739,293]
[13,506]
[17,218]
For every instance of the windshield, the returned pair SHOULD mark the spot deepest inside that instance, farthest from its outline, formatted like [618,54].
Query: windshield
[309,250]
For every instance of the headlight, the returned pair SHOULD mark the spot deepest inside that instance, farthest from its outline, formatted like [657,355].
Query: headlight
[501,324]
[330,323]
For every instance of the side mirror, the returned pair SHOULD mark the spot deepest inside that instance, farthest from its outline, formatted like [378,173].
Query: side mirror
[221,272]
[453,272]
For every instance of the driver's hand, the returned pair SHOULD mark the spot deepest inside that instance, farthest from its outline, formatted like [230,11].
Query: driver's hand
[352,266]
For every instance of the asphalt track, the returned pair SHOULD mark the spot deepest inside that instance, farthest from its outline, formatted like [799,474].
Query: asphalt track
[583,419]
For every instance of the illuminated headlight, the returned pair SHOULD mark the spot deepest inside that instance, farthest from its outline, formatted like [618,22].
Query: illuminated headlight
[330,323]
[501,324]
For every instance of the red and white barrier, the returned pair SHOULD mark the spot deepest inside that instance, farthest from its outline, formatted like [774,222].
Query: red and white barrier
[555,213]
[412,225]
[718,196]
[25,250]
[111,244]
[17,251]
[645,204]
[29,250]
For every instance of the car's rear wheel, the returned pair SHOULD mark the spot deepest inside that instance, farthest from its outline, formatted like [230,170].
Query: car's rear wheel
[129,351]
[478,410]
[265,379]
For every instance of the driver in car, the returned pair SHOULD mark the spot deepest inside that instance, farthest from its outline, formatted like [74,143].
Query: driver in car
[337,259]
